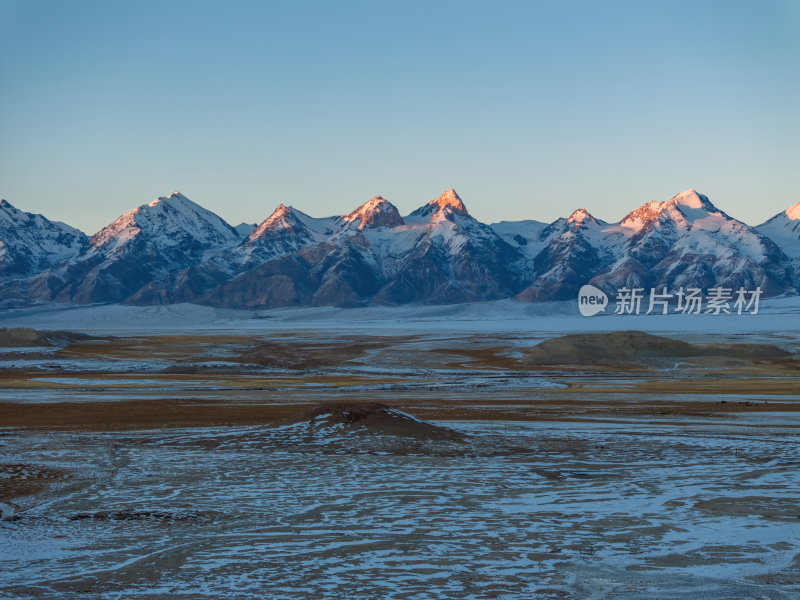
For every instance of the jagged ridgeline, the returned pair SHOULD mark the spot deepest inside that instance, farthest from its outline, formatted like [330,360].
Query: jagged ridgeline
[173,250]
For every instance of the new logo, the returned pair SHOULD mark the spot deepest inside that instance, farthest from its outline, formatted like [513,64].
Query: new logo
[591,300]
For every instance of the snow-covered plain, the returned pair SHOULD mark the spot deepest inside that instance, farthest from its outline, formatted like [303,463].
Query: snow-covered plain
[775,315]
[539,511]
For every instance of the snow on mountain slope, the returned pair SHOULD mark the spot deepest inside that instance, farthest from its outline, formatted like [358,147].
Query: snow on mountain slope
[141,246]
[173,250]
[287,219]
[379,233]
[784,230]
[168,222]
[30,243]
[446,220]
[687,242]
[571,248]
[455,258]
[393,241]
[439,253]
[691,216]
[377,212]
[525,235]
[682,242]
[448,200]
[286,230]
[292,258]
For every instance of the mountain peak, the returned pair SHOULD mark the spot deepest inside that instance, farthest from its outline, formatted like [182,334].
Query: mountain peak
[793,212]
[172,199]
[693,205]
[30,243]
[691,199]
[282,219]
[451,199]
[377,212]
[279,215]
[168,220]
[784,230]
[580,216]
[688,206]
[581,219]
[450,202]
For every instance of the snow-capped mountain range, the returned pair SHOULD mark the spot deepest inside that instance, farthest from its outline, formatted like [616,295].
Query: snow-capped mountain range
[30,243]
[173,250]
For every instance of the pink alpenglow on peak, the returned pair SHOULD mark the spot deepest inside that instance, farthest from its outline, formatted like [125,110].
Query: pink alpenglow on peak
[580,219]
[449,202]
[687,209]
[689,198]
[292,226]
[175,197]
[578,215]
[169,219]
[784,229]
[279,214]
[452,200]
[793,212]
[377,212]
[281,219]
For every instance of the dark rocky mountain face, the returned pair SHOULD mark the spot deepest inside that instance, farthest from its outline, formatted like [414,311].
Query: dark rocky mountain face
[188,284]
[561,270]
[570,256]
[432,272]
[173,250]
[281,281]
[318,275]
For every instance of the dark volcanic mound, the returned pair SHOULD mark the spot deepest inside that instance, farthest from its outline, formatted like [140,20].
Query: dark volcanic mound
[637,347]
[373,418]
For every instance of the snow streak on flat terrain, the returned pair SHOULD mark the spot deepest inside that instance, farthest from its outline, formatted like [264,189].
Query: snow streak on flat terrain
[515,511]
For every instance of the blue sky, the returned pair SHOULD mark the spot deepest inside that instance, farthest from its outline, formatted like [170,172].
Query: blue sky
[527,109]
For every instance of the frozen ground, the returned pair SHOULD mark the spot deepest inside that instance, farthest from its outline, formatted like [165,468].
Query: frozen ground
[516,511]
[118,479]
[775,314]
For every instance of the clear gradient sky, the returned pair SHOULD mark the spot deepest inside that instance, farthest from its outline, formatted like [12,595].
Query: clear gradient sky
[528,109]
